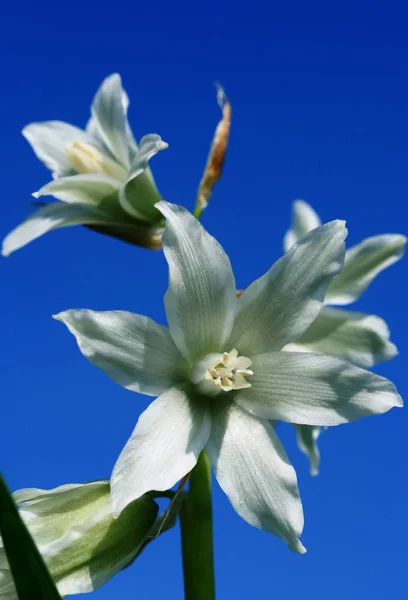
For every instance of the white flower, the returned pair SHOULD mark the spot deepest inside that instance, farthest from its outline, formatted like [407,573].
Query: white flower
[360,338]
[100,175]
[80,541]
[211,336]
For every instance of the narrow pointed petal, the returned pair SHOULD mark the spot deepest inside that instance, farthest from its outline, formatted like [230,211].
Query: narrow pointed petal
[162,449]
[314,389]
[254,471]
[139,194]
[306,437]
[109,117]
[50,139]
[53,216]
[277,308]
[362,263]
[91,188]
[132,349]
[304,219]
[200,300]
[362,339]
[93,130]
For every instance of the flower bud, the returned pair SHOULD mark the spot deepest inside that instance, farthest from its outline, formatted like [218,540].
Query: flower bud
[80,541]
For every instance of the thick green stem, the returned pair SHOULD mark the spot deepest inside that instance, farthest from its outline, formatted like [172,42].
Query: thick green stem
[196,534]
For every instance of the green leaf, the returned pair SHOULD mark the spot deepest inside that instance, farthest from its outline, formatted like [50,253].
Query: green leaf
[31,577]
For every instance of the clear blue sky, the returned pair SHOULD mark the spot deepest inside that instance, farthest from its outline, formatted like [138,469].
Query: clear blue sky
[319,93]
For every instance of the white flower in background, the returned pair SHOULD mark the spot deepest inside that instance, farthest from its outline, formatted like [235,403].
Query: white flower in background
[80,541]
[360,338]
[101,176]
[220,376]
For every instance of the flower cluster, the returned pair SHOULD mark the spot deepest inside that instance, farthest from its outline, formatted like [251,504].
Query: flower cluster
[223,372]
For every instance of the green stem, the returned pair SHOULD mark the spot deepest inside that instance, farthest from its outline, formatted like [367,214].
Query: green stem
[196,534]
[197,212]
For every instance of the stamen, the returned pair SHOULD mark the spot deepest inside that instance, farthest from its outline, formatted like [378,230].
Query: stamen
[84,158]
[230,373]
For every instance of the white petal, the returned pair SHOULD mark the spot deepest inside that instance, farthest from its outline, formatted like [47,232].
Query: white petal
[109,117]
[254,471]
[314,389]
[304,219]
[93,130]
[277,308]
[362,263]
[139,194]
[53,216]
[307,436]
[50,139]
[132,349]
[163,447]
[359,338]
[90,188]
[200,300]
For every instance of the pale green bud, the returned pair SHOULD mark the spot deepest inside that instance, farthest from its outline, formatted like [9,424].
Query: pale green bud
[80,541]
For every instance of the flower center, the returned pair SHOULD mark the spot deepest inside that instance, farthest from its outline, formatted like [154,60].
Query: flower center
[222,372]
[84,158]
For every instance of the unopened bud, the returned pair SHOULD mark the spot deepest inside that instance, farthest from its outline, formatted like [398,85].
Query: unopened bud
[82,544]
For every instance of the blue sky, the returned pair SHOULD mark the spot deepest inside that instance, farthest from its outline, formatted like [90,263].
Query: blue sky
[319,97]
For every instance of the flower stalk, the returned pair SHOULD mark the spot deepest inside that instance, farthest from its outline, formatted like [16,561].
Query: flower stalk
[197,535]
